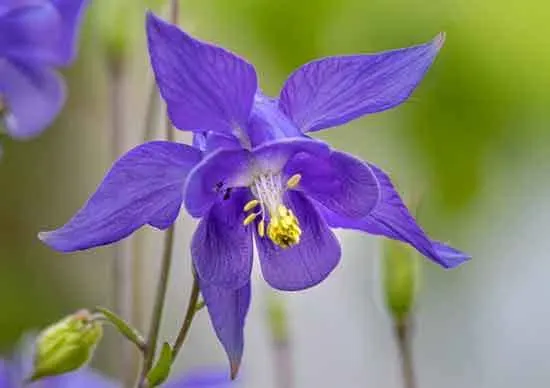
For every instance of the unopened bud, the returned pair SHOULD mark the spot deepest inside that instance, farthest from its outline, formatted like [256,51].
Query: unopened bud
[277,318]
[67,345]
[400,276]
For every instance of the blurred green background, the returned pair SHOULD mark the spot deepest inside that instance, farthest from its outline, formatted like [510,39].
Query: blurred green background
[473,138]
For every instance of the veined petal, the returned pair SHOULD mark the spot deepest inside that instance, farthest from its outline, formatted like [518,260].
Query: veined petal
[205,87]
[342,183]
[209,142]
[228,310]
[268,123]
[334,90]
[225,169]
[144,186]
[222,245]
[275,154]
[307,263]
[392,219]
[214,178]
[33,97]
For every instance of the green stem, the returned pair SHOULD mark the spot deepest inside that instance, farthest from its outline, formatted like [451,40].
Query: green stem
[189,315]
[151,112]
[403,336]
[122,262]
[158,306]
[166,264]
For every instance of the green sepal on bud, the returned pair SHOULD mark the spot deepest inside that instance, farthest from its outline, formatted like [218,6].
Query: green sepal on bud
[124,328]
[66,345]
[401,277]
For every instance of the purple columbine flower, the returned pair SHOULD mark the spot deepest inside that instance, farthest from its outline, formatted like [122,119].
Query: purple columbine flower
[254,173]
[36,36]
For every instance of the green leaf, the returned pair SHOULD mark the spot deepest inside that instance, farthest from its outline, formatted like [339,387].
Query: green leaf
[159,373]
[123,327]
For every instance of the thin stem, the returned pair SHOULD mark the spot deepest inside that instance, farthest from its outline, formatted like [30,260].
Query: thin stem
[174,11]
[158,306]
[281,343]
[151,112]
[403,336]
[162,286]
[122,262]
[189,315]
[284,374]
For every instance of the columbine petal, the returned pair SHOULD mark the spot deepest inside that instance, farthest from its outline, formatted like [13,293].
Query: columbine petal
[391,218]
[227,310]
[210,180]
[332,91]
[222,245]
[33,97]
[307,263]
[268,123]
[227,169]
[5,380]
[84,378]
[273,156]
[209,142]
[144,186]
[205,87]
[29,31]
[342,183]
[71,13]
[206,378]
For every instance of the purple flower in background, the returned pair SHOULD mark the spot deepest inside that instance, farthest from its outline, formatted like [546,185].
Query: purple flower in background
[15,372]
[254,173]
[12,376]
[36,36]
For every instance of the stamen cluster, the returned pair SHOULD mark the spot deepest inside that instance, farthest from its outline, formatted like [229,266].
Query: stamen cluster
[283,227]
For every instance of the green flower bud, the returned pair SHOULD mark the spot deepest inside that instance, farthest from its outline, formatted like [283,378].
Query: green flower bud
[67,345]
[400,277]
[119,26]
[277,318]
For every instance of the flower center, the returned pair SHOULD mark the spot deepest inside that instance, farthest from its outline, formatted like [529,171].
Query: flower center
[283,227]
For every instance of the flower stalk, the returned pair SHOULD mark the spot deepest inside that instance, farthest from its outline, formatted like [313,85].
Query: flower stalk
[282,349]
[166,264]
[403,336]
[192,309]
[122,266]
[158,306]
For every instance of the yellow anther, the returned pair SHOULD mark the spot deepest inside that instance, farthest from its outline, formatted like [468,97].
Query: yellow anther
[251,205]
[293,181]
[261,228]
[284,229]
[250,218]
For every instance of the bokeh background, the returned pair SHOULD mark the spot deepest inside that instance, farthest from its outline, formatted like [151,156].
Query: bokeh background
[474,139]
